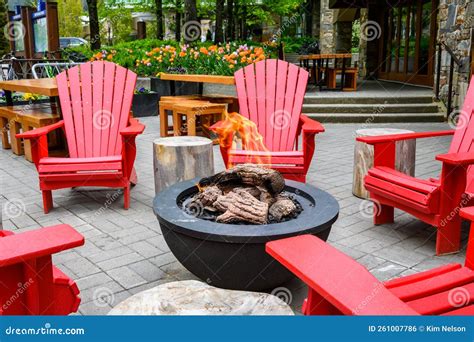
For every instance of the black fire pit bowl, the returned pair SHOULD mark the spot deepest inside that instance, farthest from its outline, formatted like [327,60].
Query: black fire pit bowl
[232,256]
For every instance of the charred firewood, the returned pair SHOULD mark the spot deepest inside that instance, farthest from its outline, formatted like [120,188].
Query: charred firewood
[282,207]
[248,174]
[240,206]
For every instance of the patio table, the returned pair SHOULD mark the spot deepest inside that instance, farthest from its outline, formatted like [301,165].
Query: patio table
[322,61]
[42,86]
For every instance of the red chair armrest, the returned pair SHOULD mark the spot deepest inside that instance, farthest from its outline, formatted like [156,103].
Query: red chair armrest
[463,158]
[310,126]
[38,132]
[135,128]
[467,213]
[398,137]
[340,280]
[37,243]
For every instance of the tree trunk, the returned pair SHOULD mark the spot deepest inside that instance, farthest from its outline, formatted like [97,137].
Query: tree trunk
[4,43]
[93,24]
[230,20]
[308,9]
[219,20]
[159,19]
[192,28]
[178,20]
[244,22]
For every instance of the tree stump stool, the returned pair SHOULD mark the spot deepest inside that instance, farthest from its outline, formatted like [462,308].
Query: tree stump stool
[405,154]
[191,297]
[176,159]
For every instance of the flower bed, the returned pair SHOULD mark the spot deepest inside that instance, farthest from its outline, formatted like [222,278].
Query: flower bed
[152,57]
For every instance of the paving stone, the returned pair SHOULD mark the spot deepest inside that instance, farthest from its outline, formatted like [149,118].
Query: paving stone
[119,261]
[126,277]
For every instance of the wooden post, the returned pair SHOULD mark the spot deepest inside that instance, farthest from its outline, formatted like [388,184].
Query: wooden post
[177,159]
[53,27]
[405,154]
[141,30]
[28,39]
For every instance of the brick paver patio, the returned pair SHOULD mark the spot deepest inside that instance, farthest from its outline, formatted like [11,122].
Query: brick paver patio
[125,251]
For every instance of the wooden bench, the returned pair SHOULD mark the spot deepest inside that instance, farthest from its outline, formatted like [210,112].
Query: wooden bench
[207,112]
[350,78]
[15,119]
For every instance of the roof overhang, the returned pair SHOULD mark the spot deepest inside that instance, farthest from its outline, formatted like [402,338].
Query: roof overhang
[349,3]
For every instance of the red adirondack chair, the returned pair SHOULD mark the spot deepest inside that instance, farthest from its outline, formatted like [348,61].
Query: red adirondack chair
[434,201]
[271,94]
[338,285]
[29,283]
[95,102]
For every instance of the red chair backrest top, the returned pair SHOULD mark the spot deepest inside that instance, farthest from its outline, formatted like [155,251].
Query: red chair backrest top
[96,98]
[271,94]
[464,135]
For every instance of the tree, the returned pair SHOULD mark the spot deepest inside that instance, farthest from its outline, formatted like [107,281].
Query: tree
[159,18]
[93,24]
[177,32]
[230,20]
[4,44]
[190,18]
[219,38]
[69,13]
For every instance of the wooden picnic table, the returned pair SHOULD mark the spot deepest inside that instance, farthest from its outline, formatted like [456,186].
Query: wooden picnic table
[42,86]
[321,61]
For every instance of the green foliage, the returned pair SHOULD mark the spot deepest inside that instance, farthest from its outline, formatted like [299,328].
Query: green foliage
[4,43]
[69,13]
[355,35]
[298,44]
[150,57]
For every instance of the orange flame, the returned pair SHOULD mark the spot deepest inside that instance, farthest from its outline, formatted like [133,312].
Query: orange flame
[236,125]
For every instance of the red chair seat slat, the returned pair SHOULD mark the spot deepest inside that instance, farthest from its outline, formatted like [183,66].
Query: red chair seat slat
[61,168]
[286,157]
[106,159]
[434,285]
[399,178]
[421,276]
[445,301]
[464,311]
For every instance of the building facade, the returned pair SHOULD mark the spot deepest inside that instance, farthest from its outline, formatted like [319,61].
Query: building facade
[409,41]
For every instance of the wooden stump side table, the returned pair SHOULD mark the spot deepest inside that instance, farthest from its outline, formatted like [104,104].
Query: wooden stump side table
[405,154]
[177,159]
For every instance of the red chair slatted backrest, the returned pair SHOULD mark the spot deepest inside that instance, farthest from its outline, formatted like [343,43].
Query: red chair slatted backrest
[464,136]
[96,98]
[271,94]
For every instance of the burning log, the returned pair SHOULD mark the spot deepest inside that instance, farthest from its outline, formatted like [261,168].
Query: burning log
[248,174]
[246,193]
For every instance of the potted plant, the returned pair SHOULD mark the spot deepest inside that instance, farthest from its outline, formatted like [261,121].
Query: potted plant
[145,103]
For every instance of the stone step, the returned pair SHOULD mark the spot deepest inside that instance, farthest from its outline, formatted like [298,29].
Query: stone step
[350,99]
[377,118]
[371,108]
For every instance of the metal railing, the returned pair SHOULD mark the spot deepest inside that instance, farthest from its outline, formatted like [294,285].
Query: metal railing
[454,60]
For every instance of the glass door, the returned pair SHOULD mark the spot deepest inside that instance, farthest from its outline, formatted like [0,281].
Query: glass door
[408,42]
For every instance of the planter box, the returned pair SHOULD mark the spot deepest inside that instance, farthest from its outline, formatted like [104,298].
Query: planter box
[23,102]
[145,105]
[163,87]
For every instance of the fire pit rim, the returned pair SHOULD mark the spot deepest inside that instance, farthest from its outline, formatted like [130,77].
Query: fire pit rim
[311,220]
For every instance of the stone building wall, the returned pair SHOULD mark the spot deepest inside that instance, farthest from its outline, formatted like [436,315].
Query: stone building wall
[327,35]
[455,26]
